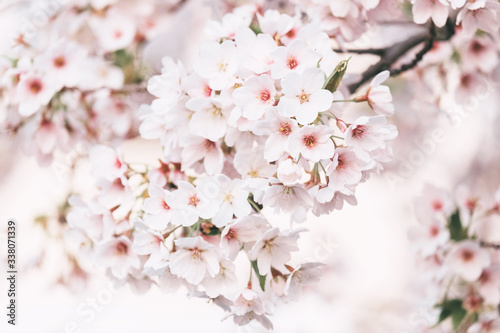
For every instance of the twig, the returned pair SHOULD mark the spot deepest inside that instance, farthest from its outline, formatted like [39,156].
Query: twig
[390,55]
[379,52]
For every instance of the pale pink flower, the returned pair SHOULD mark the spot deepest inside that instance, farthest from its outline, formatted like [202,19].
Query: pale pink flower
[319,42]
[487,228]
[196,86]
[156,206]
[346,169]
[150,242]
[62,62]
[192,204]
[33,92]
[479,15]
[295,199]
[227,27]
[209,119]
[312,142]
[296,57]
[107,163]
[489,285]
[480,53]
[304,96]
[435,9]
[457,3]
[272,250]
[218,63]
[278,128]
[117,255]
[433,202]
[243,231]
[302,275]
[92,219]
[249,306]
[114,31]
[194,259]
[248,301]
[251,164]
[167,86]
[368,134]
[486,324]
[470,84]
[289,172]
[468,260]
[257,53]
[428,237]
[379,97]
[232,200]
[196,148]
[100,74]
[274,23]
[224,282]
[255,96]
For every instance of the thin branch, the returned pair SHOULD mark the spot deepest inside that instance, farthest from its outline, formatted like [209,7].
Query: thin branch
[391,54]
[379,52]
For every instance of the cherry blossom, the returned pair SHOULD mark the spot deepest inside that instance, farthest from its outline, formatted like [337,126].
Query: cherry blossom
[435,9]
[303,96]
[194,259]
[272,249]
[253,98]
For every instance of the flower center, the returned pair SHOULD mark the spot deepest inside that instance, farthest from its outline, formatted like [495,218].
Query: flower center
[59,62]
[209,145]
[434,231]
[193,200]
[35,86]
[121,248]
[269,245]
[285,129]
[467,255]
[165,205]
[304,97]
[358,132]
[309,141]
[265,95]
[292,62]
[207,90]
[232,234]
[476,47]
[222,67]
[216,111]
[195,253]
[228,198]
[437,205]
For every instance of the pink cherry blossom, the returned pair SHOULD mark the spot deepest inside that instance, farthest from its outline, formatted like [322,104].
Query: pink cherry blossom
[273,249]
[255,96]
[194,259]
[303,96]
[295,57]
[468,260]
[312,142]
[435,9]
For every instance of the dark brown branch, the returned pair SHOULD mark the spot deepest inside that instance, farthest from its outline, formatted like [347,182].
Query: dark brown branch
[390,55]
[378,52]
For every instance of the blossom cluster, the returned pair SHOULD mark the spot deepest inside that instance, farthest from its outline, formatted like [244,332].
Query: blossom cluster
[75,78]
[457,244]
[464,64]
[257,126]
